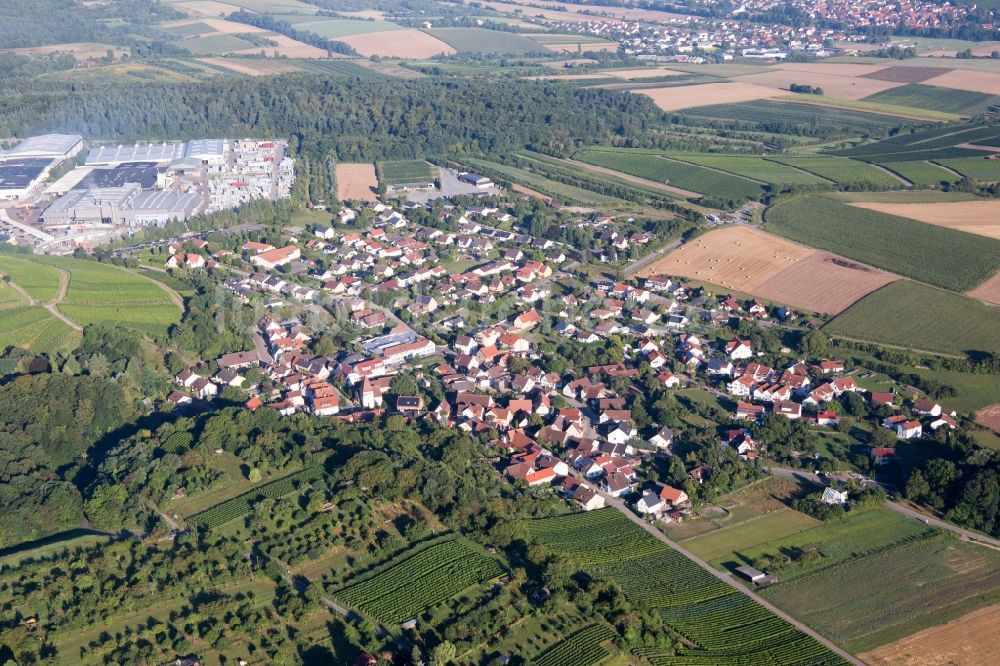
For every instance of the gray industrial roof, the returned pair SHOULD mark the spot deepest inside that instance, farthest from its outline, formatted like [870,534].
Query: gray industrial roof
[140,152]
[45,145]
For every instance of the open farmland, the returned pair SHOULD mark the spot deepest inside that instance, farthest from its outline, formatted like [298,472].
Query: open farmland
[905,74]
[10,297]
[936,320]
[787,116]
[40,281]
[581,648]
[540,184]
[356,181]
[572,43]
[101,293]
[752,166]
[974,217]
[480,40]
[985,169]
[209,45]
[845,86]
[723,186]
[79,50]
[918,584]
[768,266]
[405,172]
[686,97]
[36,329]
[408,43]
[253,66]
[332,28]
[715,618]
[961,642]
[765,529]
[988,291]
[823,282]
[416,581]
[838,169]
[945,257]
[922,174]
[921,96]
[987,83]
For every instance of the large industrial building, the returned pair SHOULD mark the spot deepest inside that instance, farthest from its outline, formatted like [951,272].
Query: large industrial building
[51,146]
[128,205]
[139,152]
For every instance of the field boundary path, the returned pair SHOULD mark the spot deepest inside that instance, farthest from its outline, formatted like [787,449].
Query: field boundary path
[893,174]
[711,168]
[177,299]
[21,290]
[727,579]
[804,172]
[946,168]
[51,307]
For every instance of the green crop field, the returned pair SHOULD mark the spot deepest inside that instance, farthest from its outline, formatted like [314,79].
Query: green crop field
[405,172]
[921,173]
[920,317]
[102,293]
[751,166]
[480,40]
[416,581]
[944,257]
[718,620]
[10,297]
[36,329]
[239,506]
[333,28]
[840,170]
[935,143]
[784,116]
[338,67]
[188,30]
[920,96]
[213,44]
[275,6]
[977,168]
[39,280]
[901,590]
[689,177]
[767,528]
[581,648]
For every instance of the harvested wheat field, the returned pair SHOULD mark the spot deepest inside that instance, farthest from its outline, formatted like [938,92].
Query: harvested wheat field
[641,73]
[961,642]
[252,67]
[989,417]
[685,97]
[834,85]
[735,257]
[967,79]
[988,291]
[975,217]
[408,43]
[356,181]
[823,282]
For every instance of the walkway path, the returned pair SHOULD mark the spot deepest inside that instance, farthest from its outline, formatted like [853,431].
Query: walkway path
[51,307]
[174,296]
[727,578]
[21,290]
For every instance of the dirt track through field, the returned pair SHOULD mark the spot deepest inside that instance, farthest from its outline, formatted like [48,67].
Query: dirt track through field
[60,296]
[962,642]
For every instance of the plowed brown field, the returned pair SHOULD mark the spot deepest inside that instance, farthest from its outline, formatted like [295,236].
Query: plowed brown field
[966,641]
[356,181]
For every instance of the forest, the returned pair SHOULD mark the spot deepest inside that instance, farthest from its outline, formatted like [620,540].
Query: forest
[356,120]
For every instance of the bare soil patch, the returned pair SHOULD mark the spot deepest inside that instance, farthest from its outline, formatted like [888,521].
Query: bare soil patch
[988,291]
[989,417]
[834,85]
[965,79]
[398,44]
[906,74]
[824,282]
[975,217]
[739,258]
[961,642]
[356,181]
[835,68]
[257,67]
[685,97]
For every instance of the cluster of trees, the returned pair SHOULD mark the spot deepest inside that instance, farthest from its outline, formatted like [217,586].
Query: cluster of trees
[805,89]
[26,23]
[353,119]
[278,25]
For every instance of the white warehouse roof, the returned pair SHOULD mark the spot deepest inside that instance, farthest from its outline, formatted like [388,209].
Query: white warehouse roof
[139,152]
[46,145]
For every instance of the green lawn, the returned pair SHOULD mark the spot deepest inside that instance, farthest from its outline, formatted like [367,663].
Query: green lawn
[770,527]
[920,317]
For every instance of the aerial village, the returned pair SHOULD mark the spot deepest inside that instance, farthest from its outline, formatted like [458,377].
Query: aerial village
[479,327]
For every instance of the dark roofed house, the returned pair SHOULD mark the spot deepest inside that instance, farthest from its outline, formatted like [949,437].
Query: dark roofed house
[238,360]
[409,403]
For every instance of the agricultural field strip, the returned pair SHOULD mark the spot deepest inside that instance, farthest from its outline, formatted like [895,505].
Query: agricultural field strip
[539,182]
[654,575]
[418,581]
[581,648]
[40,281]
[944,257]
[751,167]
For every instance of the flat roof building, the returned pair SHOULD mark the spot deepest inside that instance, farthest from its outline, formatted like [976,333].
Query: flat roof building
[127,205]
[138,152]
[19,178]
[52,146]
